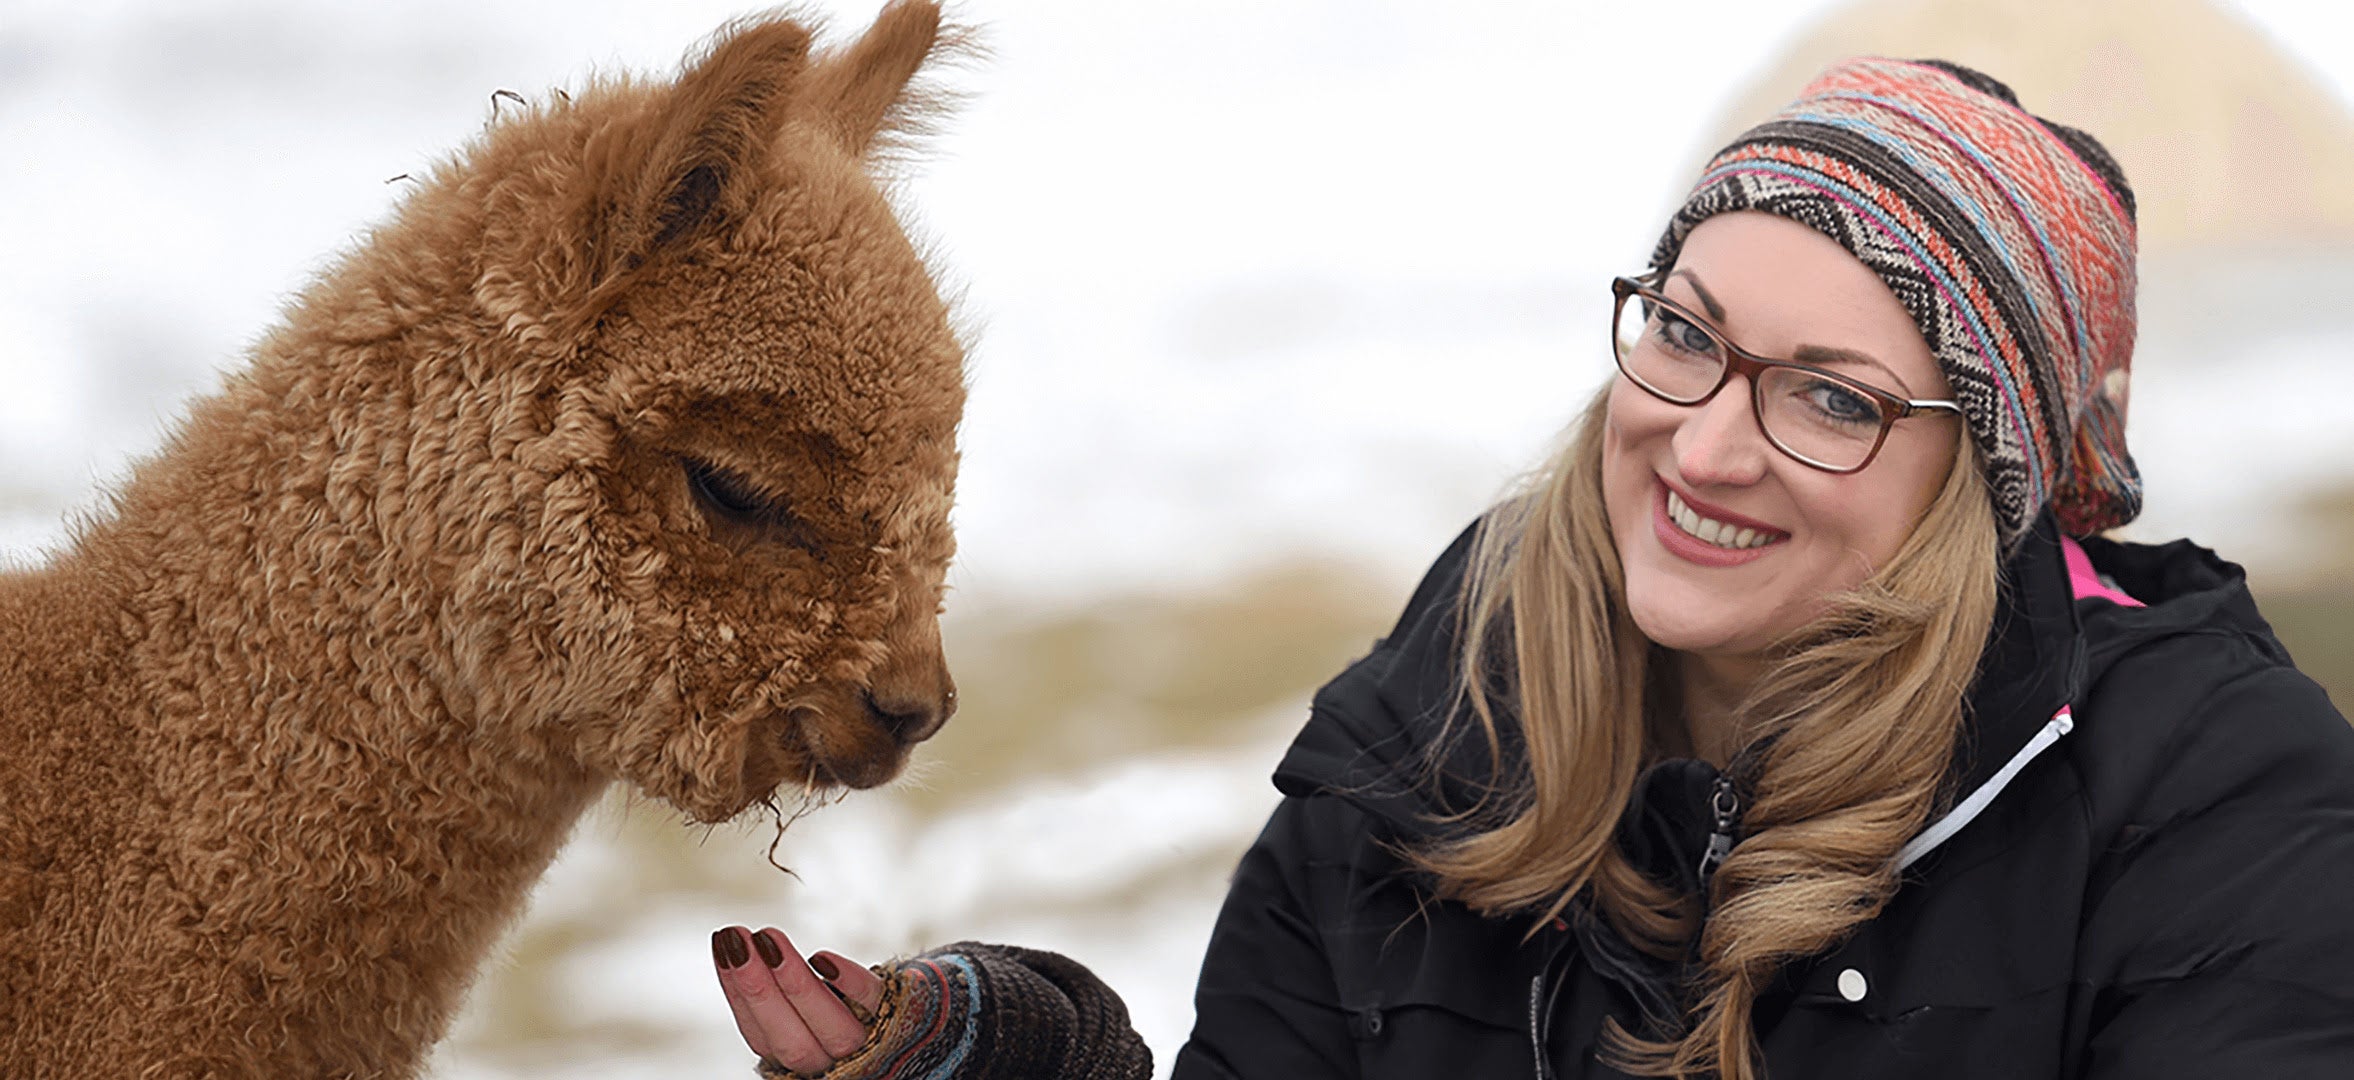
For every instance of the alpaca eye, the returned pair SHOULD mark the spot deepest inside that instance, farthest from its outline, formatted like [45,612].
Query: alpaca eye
[730,501]
[725,493]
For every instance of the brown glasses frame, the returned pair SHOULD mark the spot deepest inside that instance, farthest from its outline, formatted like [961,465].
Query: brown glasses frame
[1740,361]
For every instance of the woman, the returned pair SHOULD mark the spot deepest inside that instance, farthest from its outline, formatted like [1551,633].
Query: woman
[1793,721]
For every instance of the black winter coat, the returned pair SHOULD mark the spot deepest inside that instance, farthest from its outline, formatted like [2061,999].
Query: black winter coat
[2150,873]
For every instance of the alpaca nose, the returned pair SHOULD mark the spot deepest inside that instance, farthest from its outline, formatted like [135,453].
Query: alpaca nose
[910,694]
[911,719]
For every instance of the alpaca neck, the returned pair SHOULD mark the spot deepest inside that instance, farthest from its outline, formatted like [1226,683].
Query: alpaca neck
[342,830]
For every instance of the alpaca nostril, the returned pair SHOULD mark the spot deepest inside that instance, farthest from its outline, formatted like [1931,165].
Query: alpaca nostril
[906,723]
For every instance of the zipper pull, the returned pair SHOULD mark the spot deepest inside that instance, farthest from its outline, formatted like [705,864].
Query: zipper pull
[1724,805]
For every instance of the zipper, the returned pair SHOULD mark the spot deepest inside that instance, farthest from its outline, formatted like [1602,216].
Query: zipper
[1968,809]
[1536,1027]
[1724,807]
[1540,1007]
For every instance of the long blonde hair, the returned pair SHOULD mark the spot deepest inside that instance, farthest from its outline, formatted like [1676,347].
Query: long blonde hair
[1848,738]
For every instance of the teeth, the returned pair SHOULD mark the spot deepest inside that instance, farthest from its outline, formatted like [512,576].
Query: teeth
[1712,531]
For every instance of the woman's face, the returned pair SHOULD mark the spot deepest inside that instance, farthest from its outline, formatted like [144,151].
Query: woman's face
[1782,290]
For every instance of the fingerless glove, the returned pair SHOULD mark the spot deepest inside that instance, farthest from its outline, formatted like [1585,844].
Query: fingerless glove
[971,1011]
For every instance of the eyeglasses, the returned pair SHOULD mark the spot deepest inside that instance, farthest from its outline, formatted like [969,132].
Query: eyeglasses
[1822,419]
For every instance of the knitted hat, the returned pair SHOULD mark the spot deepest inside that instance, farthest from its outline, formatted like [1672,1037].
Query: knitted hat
[2010,240]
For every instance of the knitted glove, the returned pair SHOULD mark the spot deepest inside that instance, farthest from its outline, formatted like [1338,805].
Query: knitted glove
[970,1011]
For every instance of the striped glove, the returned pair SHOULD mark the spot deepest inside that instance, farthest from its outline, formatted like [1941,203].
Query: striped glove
[971,1011]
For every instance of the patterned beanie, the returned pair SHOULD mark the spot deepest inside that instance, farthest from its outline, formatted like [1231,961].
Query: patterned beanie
[2010,240]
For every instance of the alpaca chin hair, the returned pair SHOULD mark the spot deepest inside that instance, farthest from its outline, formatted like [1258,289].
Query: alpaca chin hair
[814,746]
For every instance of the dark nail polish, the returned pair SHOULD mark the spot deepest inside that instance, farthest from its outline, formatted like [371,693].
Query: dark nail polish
[770,953]
[728,949]
[824,966]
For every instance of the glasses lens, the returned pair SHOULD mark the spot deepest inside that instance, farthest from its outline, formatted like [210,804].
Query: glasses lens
[1824,420]
[1667,353]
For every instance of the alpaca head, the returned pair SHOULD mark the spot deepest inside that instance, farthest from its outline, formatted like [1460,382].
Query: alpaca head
[728,432]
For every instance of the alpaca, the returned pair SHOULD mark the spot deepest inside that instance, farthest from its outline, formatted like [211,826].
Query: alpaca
[623,451]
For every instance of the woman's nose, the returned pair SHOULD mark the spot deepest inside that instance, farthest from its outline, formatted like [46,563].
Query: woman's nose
[1719,442]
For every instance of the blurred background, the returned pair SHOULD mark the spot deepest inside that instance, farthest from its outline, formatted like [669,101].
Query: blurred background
[1271,297]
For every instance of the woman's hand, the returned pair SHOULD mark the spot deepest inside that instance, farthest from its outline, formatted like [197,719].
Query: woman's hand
[802,1014]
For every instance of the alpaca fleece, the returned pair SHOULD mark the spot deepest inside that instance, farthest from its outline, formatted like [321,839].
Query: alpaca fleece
[623,451]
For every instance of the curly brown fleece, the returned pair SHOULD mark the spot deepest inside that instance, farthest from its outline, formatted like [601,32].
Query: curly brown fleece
[623,451]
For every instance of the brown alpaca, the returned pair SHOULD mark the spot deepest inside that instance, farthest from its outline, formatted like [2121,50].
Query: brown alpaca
[624,451]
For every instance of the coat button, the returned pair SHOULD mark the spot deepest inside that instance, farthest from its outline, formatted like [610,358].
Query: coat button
[1852,985]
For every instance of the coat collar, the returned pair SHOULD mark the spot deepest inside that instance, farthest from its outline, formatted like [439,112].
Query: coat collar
[2034,661]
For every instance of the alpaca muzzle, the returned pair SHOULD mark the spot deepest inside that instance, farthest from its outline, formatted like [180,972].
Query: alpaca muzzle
[910,694]
[910,720]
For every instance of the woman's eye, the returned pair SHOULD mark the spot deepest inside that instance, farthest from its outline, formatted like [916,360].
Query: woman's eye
[1681,335]
[1841,404]
[724,493]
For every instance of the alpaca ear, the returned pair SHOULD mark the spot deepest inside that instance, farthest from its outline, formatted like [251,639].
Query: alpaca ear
[853,93]
[681,172]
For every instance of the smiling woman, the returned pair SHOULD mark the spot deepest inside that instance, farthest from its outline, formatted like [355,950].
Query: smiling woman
[1795,719]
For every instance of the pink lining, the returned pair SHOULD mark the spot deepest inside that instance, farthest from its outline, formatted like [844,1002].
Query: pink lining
[2084,581]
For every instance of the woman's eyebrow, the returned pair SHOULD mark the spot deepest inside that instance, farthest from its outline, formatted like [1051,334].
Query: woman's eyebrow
[1824,356]
[1818,355]
[1707,300]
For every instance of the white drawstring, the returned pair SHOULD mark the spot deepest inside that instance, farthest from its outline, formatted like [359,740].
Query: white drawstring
[2062,722]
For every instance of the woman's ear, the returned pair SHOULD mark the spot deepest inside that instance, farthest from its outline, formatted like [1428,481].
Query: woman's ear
[856,93]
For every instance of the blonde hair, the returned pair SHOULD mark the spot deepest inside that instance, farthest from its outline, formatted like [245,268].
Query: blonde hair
[1848,738]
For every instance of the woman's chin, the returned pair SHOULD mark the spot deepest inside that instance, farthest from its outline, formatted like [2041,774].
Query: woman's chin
[1680,636]
[1690,622]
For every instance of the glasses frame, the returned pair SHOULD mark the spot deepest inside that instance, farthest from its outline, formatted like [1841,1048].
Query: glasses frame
[1740,361]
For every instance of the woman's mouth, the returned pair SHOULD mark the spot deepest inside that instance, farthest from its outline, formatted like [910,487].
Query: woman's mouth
[1710,541]
[1711,531]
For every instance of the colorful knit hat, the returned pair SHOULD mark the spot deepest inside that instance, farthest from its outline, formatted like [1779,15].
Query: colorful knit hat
[2010,240]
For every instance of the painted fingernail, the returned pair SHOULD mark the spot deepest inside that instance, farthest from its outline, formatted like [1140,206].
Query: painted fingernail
[824,966]
[770,953]
[728,949]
